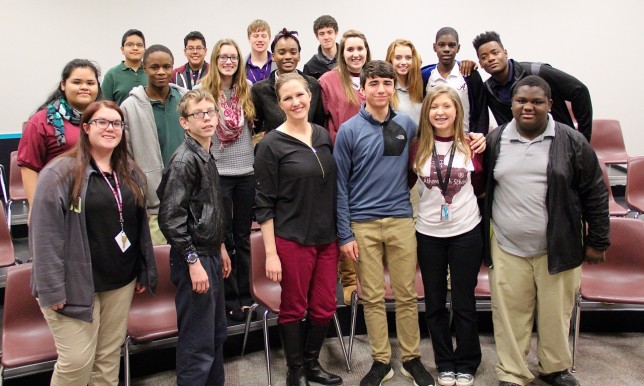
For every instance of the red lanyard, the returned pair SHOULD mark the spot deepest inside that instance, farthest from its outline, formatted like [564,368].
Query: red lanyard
[117,195]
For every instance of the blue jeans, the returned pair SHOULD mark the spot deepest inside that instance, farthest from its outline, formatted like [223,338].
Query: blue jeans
[201,320]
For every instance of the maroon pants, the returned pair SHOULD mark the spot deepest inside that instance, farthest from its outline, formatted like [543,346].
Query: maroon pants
[309,275]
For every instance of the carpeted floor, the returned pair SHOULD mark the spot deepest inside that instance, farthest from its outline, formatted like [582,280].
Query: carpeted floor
[603,360]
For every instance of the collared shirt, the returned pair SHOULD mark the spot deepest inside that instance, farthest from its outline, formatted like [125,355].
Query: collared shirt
[166,118]
[120,80]
[254,73]
[519,207]
[456,81]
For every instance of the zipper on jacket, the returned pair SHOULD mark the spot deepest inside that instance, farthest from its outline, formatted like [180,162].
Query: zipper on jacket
[315,153]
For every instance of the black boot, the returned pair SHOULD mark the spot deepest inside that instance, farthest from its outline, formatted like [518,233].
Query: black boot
[315,372]
[292,335]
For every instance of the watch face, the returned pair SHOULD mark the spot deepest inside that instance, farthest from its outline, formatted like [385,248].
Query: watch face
[191,258]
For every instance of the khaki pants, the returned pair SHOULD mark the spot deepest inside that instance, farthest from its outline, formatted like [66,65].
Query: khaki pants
[89,353]
[521,289]
[390,240]
[157,236]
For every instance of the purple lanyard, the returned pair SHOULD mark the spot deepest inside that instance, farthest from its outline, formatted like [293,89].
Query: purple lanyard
[117,195]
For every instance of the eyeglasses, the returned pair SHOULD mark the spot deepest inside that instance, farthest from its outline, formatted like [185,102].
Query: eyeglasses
[198,48]
[202,114]
[224,58]
[103,124]
[137,45]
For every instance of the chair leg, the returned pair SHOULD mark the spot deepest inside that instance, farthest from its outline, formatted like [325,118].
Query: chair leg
[354,312]
[338,330]
[9,215]
[267,347]
[575,332]
[249,317]
[126,361]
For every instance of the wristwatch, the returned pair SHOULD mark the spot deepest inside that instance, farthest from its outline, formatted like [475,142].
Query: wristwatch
[192,258]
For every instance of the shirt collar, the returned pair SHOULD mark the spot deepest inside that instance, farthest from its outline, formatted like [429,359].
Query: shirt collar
[513,133]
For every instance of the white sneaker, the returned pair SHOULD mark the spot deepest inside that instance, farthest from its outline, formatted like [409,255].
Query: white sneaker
[464,379]
[447,378]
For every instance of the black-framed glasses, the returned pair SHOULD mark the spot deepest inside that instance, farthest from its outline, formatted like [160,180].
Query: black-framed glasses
[103,124]
[132,44]
[198,48]
[225,58]
[202,114]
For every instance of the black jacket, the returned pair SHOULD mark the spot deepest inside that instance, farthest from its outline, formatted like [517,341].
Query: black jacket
[576,196]
[319,64]
[191,214]
[564,88]
[269,115]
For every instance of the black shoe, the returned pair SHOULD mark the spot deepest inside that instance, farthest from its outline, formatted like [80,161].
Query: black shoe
[415,370]
[505,383]
[292,337]
[236,315]
[561,378]
[314,372]
[379,373]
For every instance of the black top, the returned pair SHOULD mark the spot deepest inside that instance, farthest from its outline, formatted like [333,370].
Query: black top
[111,268]
[296,186]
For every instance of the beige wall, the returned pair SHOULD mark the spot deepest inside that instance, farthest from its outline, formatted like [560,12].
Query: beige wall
[594,40]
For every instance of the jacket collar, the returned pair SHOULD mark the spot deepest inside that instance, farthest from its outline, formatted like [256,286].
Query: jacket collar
[367,115]
[198,149]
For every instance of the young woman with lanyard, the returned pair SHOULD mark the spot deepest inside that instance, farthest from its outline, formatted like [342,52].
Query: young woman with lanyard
[296,182]
[233,151]
[91,248]
[342,98]
[54,128]
[286,55]
[448,232]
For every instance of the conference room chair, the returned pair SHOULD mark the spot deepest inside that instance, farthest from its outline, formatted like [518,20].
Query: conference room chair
[267,293]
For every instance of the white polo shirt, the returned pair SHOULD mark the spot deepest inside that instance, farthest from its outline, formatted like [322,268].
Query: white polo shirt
[456,81]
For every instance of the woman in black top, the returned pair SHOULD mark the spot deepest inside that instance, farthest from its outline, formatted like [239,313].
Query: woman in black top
[91,247]
[295,206]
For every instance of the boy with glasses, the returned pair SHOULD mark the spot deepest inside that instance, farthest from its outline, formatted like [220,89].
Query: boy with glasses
[121,79]
[188,75]
[192,219]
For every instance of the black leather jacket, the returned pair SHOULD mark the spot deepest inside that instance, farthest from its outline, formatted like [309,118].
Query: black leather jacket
[576,196]
[191,213]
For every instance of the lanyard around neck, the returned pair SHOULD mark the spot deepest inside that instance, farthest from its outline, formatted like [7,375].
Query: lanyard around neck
[116,191]
[443,183]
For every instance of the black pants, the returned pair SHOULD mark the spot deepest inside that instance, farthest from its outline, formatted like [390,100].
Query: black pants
[202,323]
[239,198]
[463,254]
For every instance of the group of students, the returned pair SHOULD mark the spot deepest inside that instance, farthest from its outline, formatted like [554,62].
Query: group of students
[329,183]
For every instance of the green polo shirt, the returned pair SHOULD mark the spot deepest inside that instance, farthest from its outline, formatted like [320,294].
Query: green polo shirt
[166,118]
[120,80]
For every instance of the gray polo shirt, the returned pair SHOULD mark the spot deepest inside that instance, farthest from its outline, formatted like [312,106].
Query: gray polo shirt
[519,207]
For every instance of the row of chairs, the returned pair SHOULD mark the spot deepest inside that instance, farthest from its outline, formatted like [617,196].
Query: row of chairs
[28,346]
[15,198]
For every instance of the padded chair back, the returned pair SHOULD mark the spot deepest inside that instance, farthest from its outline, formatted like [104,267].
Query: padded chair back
[614,209]
[26,338]
[608,142]
[155,317]
[619,279]
[16,190]
[635,183]
[265,291]
[7,254]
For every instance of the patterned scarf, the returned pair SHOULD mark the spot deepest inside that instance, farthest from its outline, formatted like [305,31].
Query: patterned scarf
[56,112]
[231,119]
